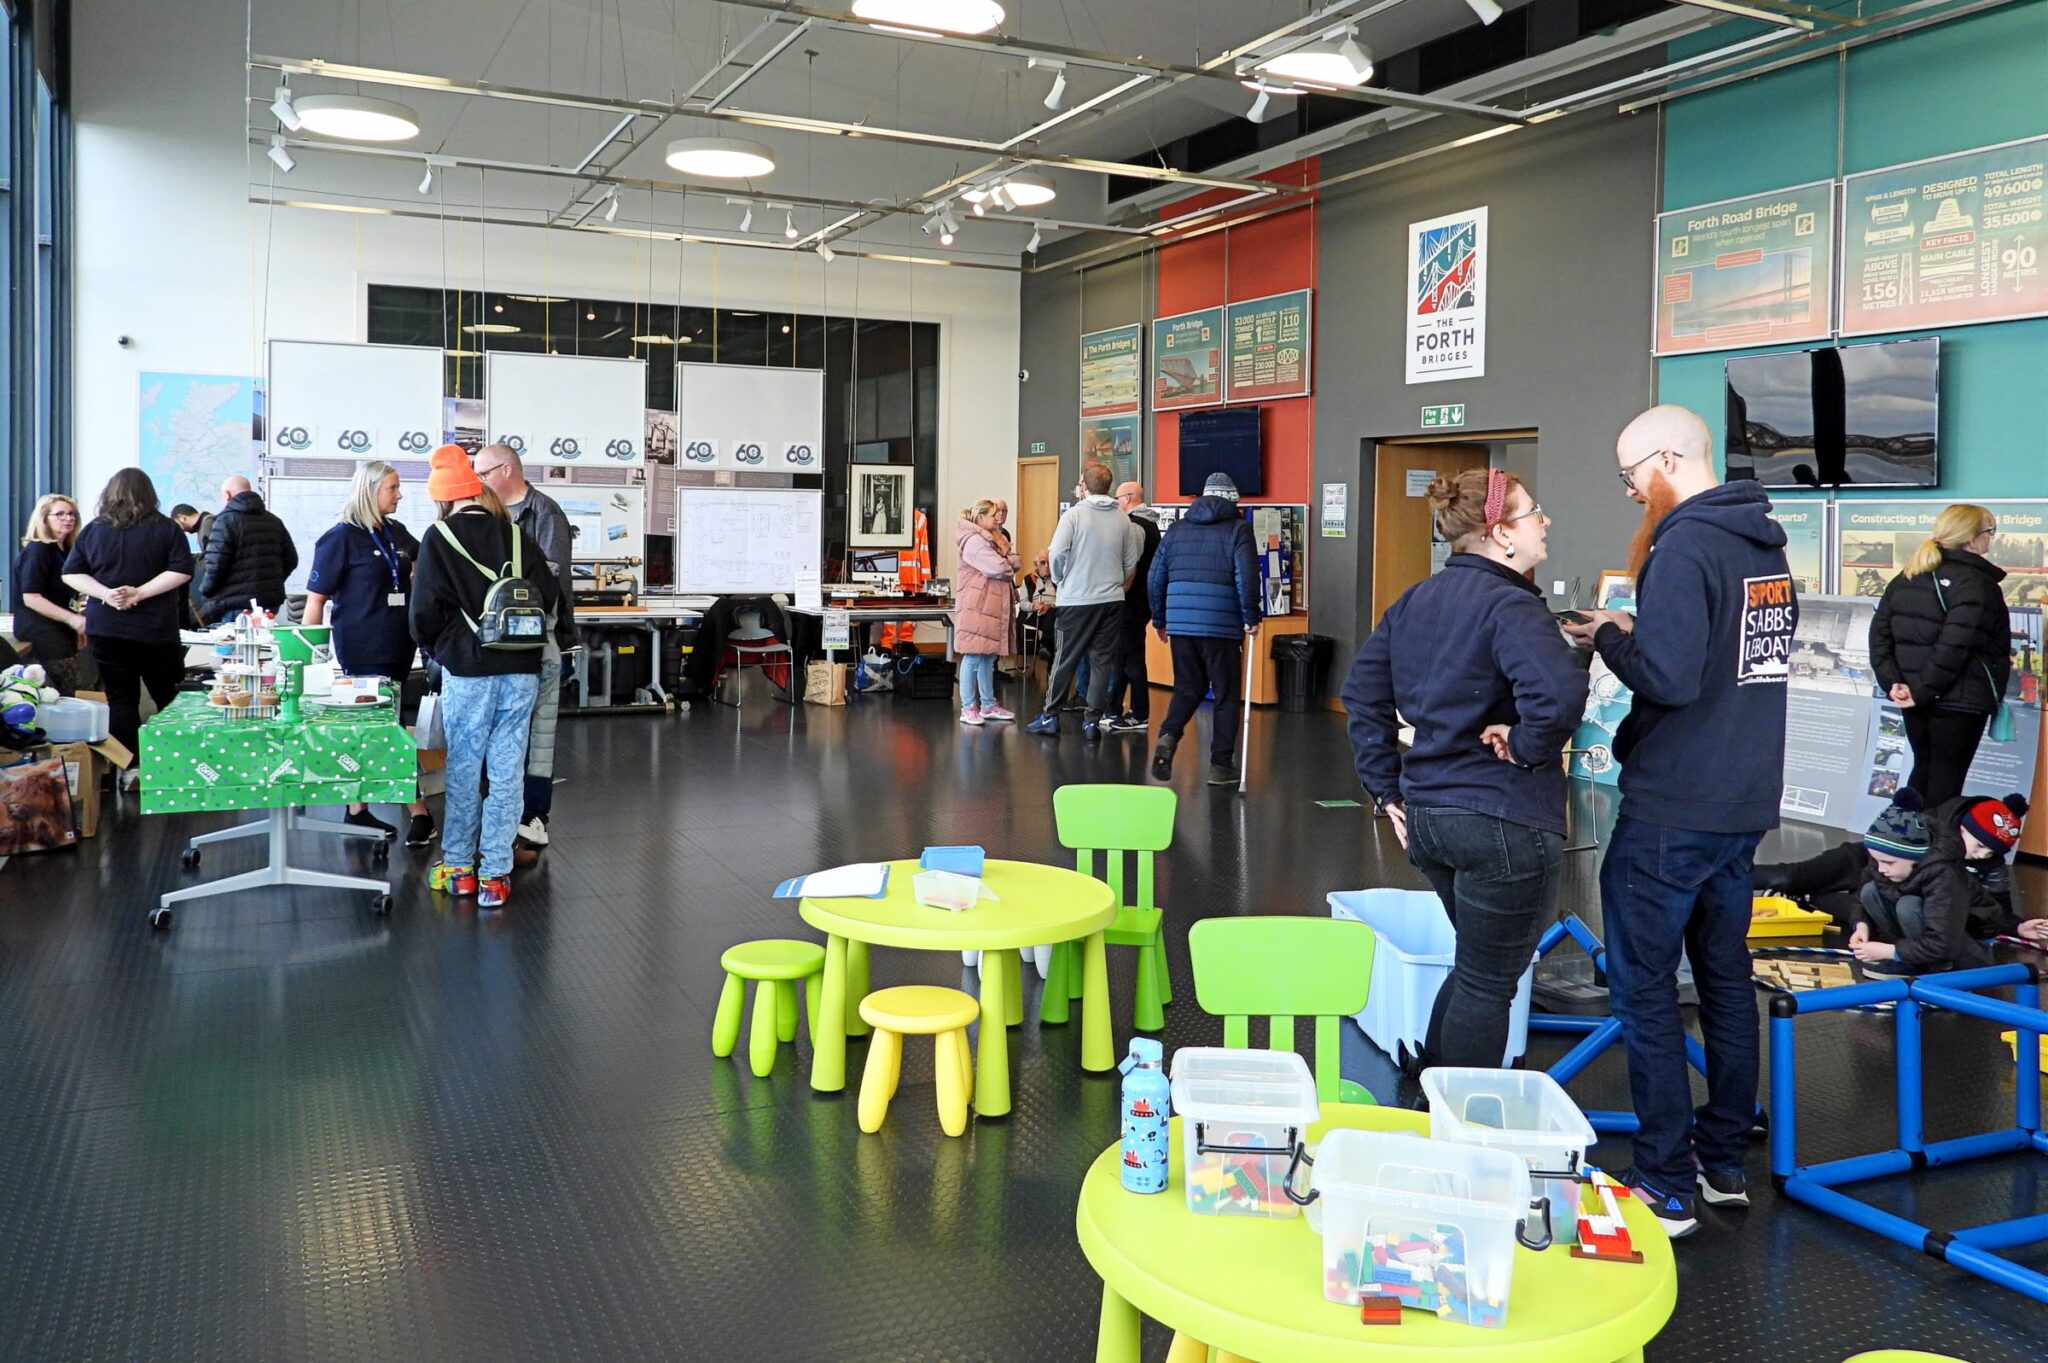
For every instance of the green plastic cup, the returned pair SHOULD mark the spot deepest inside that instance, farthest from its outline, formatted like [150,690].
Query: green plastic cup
[295,643]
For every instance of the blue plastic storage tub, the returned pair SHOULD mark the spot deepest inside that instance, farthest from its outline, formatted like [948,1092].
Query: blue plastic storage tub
[1412,957]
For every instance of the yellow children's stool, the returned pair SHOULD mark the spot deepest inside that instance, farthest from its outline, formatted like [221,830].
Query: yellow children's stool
[918,1010]
[775,965]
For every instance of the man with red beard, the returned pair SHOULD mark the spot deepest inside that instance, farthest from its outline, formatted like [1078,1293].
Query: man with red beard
[1702,754]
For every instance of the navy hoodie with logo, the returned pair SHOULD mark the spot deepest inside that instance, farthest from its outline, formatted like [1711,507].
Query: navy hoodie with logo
[1703,747]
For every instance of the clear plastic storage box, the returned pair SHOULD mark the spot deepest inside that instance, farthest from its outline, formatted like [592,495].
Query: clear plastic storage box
[69,719]
[1524,1112]
[1412,958]
[1426,1223]
[1242,1114]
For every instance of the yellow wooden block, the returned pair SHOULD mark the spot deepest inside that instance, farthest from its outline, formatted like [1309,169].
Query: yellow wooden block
[2011,1040]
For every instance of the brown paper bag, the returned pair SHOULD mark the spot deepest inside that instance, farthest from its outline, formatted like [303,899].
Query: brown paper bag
[825,684]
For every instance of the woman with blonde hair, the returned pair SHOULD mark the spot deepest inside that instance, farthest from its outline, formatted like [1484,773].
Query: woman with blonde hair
[1941,645]
[361,576]
[43,618]
[981,610]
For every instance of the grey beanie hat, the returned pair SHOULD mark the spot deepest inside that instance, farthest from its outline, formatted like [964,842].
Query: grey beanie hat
[1219,485]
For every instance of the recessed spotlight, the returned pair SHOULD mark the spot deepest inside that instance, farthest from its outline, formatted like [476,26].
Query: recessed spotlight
[590,317]
[357,118]
[785,328]
[935,16]
[720,158]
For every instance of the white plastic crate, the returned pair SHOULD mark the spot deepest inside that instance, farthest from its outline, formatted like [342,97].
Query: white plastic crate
[1524,1112]
[1242,1115]
[69,719]
[1412,957]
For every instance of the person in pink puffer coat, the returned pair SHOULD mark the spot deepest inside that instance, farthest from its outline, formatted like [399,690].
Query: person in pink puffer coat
[981,610]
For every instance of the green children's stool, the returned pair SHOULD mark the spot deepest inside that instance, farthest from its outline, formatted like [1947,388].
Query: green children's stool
[775,965]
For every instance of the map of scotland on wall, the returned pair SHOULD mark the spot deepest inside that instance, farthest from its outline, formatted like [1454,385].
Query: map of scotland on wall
[196,430]
[1446,332]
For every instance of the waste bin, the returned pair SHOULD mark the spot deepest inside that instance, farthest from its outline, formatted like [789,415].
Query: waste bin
[1303,664]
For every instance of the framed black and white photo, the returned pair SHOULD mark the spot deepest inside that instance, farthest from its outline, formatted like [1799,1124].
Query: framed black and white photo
[879,503]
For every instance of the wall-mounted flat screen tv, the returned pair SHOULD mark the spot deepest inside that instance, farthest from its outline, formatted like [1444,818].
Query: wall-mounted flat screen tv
[1222,440]
[1840,416]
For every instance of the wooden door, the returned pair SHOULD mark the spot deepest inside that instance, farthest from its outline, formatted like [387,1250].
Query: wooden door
[1037,513]
[1400,523]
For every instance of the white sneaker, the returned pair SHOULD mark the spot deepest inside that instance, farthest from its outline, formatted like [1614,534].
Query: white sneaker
[535,831]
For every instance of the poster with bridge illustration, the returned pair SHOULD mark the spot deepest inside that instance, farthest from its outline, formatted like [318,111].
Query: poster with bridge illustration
[1753,271]
[1875,538]
[1446,333]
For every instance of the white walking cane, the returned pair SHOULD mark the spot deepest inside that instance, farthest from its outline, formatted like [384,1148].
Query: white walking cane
[1244,739]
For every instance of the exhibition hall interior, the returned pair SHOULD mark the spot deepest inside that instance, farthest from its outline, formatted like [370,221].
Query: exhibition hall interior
[1160,681]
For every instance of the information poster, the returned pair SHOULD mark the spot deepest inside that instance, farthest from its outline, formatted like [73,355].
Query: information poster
[1447,297]
[1746,272]
[1804,521]
[1110,378]
[1947,242]
[1877,537]
[1336,510]
[1269,347]
[1187,360]
[1115,441]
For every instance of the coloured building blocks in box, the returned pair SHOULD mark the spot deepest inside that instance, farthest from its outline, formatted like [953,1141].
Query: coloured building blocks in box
[1239,1184]
[1603,1234]
[1424,1270]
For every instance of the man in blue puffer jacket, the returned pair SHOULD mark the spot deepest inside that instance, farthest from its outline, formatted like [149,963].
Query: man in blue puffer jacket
[1205,600]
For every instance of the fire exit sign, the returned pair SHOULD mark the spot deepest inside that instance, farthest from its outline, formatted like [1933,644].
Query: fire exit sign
[1435,418]
[1038,447]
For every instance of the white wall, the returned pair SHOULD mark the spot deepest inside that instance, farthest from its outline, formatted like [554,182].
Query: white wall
[172,255]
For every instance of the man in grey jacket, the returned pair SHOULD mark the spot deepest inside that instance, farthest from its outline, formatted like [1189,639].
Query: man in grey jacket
[540,516]
[1093,554]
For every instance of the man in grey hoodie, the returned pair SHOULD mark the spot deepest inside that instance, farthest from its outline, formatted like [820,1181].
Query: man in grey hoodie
[1094,552]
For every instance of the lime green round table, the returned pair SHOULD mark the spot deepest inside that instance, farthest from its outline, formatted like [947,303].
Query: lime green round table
[1253,1287]
[1036,905]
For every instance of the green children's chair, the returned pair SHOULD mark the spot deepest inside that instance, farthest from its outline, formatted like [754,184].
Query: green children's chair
[1286,968]
[1115,820]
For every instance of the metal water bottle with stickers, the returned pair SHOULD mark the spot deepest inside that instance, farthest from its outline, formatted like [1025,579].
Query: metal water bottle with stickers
[1147,1105]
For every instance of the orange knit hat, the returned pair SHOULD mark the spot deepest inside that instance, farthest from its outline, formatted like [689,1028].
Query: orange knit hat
[450,477]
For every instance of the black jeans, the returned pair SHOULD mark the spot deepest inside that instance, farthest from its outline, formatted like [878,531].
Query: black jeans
[1131,668]
[1664,891]
[1944,744]
[1201,665]
[128,665]
[1085,632]
[1498,882]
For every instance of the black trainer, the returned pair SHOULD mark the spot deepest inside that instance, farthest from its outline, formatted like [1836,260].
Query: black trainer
[1674,1211]
[363,818]
[1220,775]
[1162,758]
[1724,1188]
[420,832]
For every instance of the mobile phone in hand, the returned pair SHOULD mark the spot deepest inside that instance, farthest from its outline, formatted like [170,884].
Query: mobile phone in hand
[1574,617]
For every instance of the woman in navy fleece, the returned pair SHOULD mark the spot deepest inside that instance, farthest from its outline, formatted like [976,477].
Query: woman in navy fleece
[1473,658]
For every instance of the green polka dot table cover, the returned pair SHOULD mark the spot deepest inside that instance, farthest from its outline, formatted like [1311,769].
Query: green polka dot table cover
[195,758]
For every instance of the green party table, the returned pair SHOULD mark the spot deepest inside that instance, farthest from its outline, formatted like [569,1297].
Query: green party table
[195,758]
[1252,1287]
[1038,905]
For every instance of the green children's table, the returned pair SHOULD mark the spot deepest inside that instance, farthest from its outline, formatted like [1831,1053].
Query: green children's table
[194,758]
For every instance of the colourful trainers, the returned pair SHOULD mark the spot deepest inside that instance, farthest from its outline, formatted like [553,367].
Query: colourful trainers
[493,893]
[971,715]
[995,712]
[458,880]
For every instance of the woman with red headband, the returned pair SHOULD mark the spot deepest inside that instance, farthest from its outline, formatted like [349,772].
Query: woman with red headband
[1474,660]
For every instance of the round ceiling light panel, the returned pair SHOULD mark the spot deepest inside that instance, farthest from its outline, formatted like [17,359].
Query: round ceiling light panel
[938,16]
[356,118]
[720,158]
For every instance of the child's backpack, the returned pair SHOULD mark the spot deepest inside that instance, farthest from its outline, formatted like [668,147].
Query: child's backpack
[513,615]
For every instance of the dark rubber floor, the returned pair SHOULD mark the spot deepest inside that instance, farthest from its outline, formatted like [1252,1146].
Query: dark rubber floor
[288,1130]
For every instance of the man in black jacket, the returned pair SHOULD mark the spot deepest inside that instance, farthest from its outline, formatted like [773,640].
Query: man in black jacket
[1133,715]
[1703,755]
[249,554]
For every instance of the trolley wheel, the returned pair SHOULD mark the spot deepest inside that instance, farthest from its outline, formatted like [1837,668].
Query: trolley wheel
[380,851]
[160,918]
[190,856]
[381,906]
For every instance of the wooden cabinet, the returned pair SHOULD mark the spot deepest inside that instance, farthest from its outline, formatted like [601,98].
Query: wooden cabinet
[1265,680]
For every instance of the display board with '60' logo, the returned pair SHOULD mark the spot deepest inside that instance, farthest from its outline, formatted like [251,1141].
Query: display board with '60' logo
[576,411]
[750,419]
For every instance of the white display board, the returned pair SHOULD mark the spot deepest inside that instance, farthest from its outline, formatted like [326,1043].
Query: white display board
[309,507]
[578,410]
[608,522]
[337,400]
[749,419]
[747,541]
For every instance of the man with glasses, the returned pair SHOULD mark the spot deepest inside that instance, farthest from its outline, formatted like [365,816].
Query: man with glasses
[1707,655]
[540,516]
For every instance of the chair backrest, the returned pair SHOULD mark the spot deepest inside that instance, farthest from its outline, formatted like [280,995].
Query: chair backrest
[1284,968]
[1115,819]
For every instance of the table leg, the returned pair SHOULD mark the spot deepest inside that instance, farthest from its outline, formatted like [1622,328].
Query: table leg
[1013,981]
[1116,1329]
[856,987]
[828,1048]
[1098,1047]
[992,1064]
[1052,1001]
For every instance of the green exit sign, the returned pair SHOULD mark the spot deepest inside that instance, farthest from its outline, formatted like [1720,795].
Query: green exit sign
[1434,418]
[1038,447]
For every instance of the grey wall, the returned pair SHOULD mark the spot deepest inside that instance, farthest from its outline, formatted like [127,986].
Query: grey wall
[1055,309]
[1568,343]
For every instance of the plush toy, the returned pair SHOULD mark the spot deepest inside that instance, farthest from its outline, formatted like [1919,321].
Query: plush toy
[22,693]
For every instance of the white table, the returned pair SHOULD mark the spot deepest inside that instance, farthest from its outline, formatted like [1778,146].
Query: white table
[653,615]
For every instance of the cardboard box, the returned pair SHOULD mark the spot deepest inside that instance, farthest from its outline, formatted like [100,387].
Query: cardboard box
[83,764]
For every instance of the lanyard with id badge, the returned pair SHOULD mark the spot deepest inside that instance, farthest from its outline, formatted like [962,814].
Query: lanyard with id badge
[389,553]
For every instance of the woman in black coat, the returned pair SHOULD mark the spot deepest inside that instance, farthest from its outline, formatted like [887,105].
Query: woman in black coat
[1942,648]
